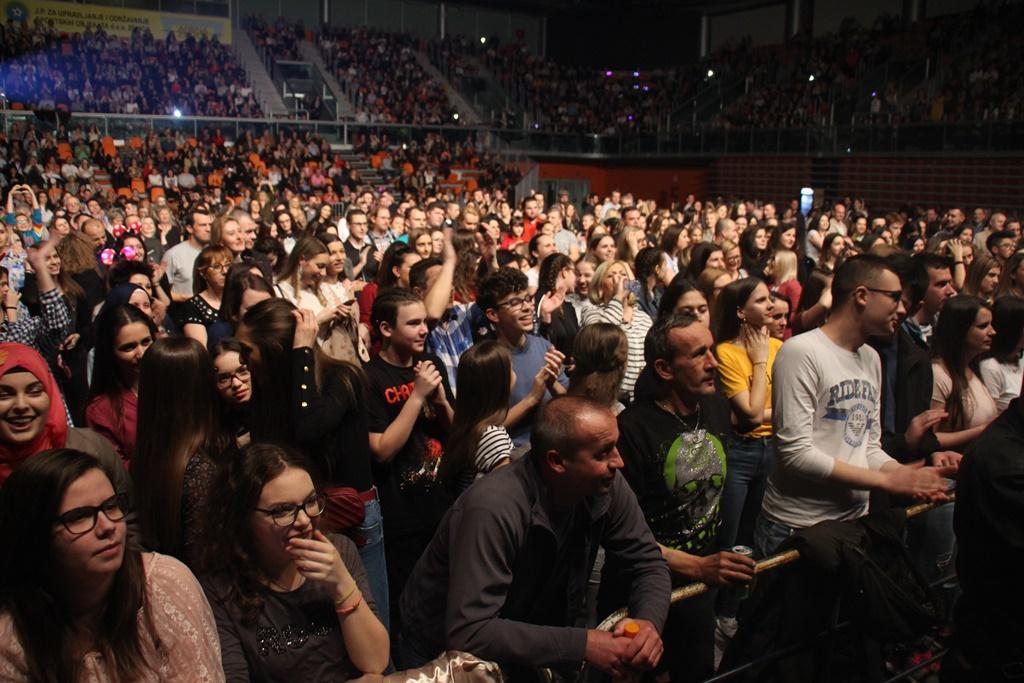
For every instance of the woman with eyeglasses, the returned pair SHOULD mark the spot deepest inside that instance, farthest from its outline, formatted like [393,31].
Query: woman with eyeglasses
[234,386]
[291,603]
[302,396]
[202,311]
[178,444]
[79,601]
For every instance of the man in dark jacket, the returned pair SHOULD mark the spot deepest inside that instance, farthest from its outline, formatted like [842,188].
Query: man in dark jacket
[988,644]
[505,576]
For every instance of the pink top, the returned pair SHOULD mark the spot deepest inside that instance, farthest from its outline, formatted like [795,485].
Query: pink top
[117,428]
[182,622]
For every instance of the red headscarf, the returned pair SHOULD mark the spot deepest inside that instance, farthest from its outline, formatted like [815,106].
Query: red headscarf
[55,431]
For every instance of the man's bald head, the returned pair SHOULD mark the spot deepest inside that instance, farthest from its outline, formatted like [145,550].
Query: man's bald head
[94,230]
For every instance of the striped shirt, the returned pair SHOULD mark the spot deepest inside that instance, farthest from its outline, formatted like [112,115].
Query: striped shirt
[495,445]
[636,332]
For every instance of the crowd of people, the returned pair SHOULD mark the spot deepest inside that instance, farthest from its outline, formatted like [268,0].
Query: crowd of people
[94,71]
[253,437]
[382,78]
[974,66]
[280,39]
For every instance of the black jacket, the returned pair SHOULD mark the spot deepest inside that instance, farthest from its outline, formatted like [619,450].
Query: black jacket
[857,570]
[913,396]
[489,582]
[989,524]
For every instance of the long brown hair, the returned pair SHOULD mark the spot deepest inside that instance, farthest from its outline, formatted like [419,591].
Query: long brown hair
[600,352]
[484,384]
[44,627]
[271,326]
[306,247]
[948,346]
[170,432]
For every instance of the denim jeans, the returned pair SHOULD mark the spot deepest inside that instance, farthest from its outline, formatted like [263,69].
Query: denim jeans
[768,536]
[374,561]
[748,463]
[932,546]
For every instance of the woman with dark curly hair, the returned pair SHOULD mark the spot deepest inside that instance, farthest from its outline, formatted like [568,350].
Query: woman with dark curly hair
[291,603]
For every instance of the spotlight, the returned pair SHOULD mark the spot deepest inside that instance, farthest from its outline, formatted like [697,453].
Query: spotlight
[711,73]
[810,79]
[177,113]
[608,74]
[455,116]
[483,40]
[636,74]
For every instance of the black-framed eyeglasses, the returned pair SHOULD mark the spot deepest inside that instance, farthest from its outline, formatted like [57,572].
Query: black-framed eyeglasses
[516,302]
[83,520]
[895,294]
[241,373]
[286,514]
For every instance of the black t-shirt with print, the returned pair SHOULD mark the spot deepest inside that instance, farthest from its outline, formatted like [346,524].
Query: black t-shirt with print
[676,467]
[411,499]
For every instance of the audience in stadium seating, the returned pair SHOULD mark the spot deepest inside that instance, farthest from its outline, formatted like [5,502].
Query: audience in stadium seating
[143,74]
[382,78]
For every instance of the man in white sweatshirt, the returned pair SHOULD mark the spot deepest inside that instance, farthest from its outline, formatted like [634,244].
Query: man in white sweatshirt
[826,398]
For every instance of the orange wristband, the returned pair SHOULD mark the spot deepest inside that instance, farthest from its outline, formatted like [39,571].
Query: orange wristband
[345,611]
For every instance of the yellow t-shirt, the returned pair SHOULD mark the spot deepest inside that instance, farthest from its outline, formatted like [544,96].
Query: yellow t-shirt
[737,374]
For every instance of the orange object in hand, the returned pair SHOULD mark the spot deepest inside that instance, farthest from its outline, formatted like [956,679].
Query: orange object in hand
[631,629]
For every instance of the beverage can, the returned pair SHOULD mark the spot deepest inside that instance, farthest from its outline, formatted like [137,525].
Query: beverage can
[745,591]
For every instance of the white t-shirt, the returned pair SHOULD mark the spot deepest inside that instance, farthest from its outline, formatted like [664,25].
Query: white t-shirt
[178,263]
[825,408]
[305,298]
[1002,380]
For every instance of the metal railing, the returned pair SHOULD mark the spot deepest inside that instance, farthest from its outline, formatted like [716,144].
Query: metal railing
[988,137]
[766,565]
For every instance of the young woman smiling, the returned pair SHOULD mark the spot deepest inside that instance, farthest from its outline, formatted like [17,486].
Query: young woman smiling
[291,603]
[33,418]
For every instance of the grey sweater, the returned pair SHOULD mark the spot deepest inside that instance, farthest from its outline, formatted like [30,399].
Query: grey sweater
[505,576]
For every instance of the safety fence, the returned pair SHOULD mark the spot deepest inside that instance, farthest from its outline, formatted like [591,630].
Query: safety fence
[766,565]
[702,141]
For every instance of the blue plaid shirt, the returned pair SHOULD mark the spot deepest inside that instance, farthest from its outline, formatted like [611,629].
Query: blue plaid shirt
[54,324]
[455,333]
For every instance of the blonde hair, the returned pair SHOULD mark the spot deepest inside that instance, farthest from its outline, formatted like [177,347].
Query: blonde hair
[596,293]
[784,266]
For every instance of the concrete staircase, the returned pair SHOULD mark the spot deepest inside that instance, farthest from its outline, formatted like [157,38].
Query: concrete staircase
[367,173]
[311,54]
[493,102]
[467,113]
[262,85]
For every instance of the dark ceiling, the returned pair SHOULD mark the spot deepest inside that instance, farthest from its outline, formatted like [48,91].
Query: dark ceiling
[695,6]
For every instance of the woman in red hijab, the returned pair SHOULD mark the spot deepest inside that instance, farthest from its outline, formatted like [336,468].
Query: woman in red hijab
[33,418]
